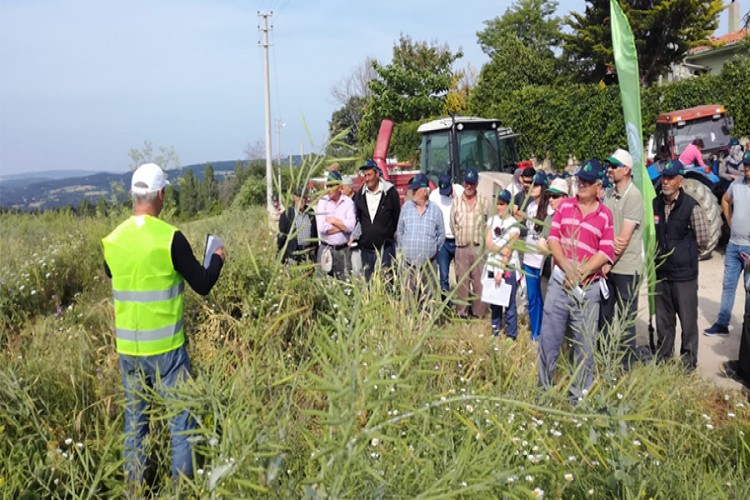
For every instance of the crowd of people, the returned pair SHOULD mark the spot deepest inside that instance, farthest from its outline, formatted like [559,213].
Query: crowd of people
[582,237]
[588,238]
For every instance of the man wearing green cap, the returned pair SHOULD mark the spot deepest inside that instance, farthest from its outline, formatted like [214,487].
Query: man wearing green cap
[681,234]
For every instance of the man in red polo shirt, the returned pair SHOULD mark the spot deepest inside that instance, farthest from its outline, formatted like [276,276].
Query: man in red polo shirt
[581,241]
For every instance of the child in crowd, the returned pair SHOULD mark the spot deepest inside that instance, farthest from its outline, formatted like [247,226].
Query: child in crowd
[503,262]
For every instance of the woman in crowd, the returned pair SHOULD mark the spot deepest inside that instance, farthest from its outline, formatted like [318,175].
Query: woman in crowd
[536,212]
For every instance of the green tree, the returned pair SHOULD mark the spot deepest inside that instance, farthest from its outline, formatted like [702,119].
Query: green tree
[664,30]
[531,22]
[188,199]
[209,189]
[102,207]
[521,45]
[412,87]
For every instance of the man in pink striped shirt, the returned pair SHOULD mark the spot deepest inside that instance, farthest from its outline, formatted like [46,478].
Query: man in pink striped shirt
[581,241]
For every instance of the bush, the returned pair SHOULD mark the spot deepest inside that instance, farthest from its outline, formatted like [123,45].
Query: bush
[587,120]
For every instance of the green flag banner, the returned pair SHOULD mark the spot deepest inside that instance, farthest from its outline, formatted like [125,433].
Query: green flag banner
[626,63]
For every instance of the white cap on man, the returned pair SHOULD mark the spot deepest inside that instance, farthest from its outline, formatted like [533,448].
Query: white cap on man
[148,178]
[621,158]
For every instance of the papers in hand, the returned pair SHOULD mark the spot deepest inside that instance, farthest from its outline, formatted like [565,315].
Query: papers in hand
[213,243]
[493,293]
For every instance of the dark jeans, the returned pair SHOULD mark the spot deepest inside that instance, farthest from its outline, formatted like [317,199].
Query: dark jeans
[163,372]
[370,258]
[743,364]
[677,299]
[511,317]
[623,304]
[444,257]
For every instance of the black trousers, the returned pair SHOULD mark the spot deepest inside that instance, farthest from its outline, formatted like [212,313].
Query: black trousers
[623,304]
[677,299]
[744,361]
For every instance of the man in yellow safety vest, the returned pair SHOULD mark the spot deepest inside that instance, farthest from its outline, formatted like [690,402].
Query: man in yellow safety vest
[149,261]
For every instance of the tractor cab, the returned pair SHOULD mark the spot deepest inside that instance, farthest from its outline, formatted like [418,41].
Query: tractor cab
[451,145]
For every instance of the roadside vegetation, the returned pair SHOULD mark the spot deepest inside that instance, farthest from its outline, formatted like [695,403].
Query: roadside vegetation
[315,389]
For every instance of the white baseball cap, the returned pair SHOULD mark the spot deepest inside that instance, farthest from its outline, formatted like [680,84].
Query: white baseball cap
[148,178]
[558,186]
[620,158]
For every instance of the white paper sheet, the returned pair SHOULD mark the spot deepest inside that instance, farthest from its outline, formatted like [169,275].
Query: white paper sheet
[213,243]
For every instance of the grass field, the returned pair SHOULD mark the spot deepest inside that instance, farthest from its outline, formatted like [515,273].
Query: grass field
[307,388]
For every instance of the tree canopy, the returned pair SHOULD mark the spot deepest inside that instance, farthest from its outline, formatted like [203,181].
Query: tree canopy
[664,30]
[412,86]
[521,44]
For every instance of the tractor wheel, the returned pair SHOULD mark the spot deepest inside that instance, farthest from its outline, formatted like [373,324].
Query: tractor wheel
[711,211]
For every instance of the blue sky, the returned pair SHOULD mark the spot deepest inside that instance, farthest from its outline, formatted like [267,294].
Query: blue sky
[84,81]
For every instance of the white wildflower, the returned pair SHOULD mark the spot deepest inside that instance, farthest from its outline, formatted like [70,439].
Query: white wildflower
[537,493]
[636,442]
[709,427]
[69,441]
[568,477]
[374,442]
[619,396]
[730,415]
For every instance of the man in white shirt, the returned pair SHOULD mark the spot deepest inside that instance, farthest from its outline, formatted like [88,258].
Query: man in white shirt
[443,197]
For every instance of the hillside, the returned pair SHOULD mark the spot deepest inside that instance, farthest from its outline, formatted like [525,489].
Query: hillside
[50,189]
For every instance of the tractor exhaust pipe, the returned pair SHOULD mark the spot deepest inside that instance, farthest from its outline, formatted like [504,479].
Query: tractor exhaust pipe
[381,147]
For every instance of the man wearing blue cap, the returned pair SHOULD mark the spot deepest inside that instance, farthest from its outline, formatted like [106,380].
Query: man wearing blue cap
[681,234]
[377,207]
[468,220]
[335,219]
[581,241]
[420,234]
[736,207]
[443,197]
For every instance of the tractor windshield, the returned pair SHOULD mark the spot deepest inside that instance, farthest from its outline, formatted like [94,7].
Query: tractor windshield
[675,138]
[477,148]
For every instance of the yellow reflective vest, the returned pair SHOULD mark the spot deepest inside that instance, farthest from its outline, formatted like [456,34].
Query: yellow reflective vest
[147,291]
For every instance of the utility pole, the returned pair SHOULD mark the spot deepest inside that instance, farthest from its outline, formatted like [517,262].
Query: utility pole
[269,164]
[279,125]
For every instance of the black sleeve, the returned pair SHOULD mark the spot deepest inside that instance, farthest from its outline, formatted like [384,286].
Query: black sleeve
[285,228]
[107,271]
[200,279]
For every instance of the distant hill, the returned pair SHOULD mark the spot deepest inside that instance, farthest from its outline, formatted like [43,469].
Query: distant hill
[50,189]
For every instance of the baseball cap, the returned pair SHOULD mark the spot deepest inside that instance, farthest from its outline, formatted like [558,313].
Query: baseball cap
[621,158]
[590,171]
[674,167]
[347,181]
[746,158]
[148,178]
[333,178]
[369,164]
[445,185]
[733,142]
[471,176]
[504,196]
[419,181]
[558,186]
[540,179]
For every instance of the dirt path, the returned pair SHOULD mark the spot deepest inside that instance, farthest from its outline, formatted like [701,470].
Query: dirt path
[712,351]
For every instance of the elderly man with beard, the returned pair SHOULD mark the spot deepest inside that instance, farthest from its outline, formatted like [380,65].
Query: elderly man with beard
[581,241]
[681,234]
